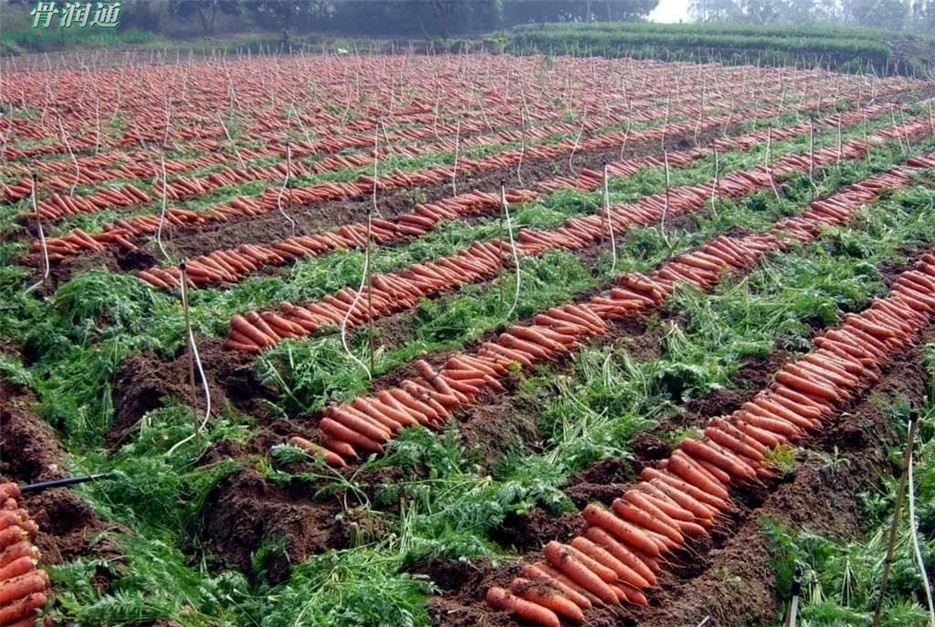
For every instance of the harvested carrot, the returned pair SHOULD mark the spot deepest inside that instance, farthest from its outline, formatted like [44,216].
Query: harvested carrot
[626,533]
[642,518]
[642,565]
[23,609]
[500,599]
[564,560]
[542,574]
[549,597]
[340,432]
[729,462]
[14,552]
[22,586]
[625,575]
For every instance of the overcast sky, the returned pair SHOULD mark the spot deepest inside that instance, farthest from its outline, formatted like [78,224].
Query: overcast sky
[670,11]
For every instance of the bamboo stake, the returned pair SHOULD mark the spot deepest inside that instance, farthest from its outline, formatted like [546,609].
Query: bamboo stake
[894,526]
[43,246]
[610,222]
[191,353]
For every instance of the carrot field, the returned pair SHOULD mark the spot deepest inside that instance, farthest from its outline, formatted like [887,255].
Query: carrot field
[464,340]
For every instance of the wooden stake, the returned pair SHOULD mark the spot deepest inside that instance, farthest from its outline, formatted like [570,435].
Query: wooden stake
[894,526]
[191,354]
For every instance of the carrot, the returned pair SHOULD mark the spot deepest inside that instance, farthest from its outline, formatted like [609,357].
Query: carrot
[240,324]
[700,495]
[666,503]
[626,575]
[17,567]
[340,447]
[500,599]
[540,571]
[12,535]
[737,444]
[689,470]
[711,472]
[9,491]
[339,432]
[22,586]
[564,560]
[626,533]
[330,457]
[770,408]
[22,609]
[366,407]
[729,462]
[14,552]
[606,573]
[805,386]
[641,565]
[549,597]
[359,423]
[657,509]
[642,518]
[774,425]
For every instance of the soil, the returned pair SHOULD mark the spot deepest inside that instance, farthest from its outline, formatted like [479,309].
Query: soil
[145,381]
[31,453]
[245,513]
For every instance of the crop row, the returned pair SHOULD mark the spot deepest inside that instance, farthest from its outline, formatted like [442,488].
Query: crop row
[401,290]
[619,555]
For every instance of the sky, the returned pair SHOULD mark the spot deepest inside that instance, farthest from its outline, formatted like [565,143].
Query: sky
[670,11]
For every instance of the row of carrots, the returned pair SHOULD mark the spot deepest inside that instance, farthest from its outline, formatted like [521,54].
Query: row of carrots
[397,291]
[234,264]
[22,584]
[560,331]
[271,199]
[617,558]
[91,168]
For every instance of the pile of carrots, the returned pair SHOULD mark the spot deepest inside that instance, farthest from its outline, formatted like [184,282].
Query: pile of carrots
[58,206]
[401,290]
[432,397]
[125,231]
[22,584]
[219,266]
[617,557]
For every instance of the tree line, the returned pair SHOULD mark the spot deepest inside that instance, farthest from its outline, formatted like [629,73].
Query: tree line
[893,15]
[408,18]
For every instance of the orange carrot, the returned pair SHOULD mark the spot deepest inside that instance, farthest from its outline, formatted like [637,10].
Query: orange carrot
[359,423]
[728,462]
[22,586]
[687,468]
[17,567]
[14,552]
[543,573]
[339,432]
[696,493]
[562,579]
[628,534]
[626,575]
[643,566]
[500,599]
[549,597]
[22,609]
[565,561]
[642,518]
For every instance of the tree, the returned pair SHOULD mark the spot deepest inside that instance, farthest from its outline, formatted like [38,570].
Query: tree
[206,10]
[885,14]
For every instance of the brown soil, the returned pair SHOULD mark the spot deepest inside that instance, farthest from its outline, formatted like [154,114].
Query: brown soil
[245,513]
[146,380]
[68,527]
